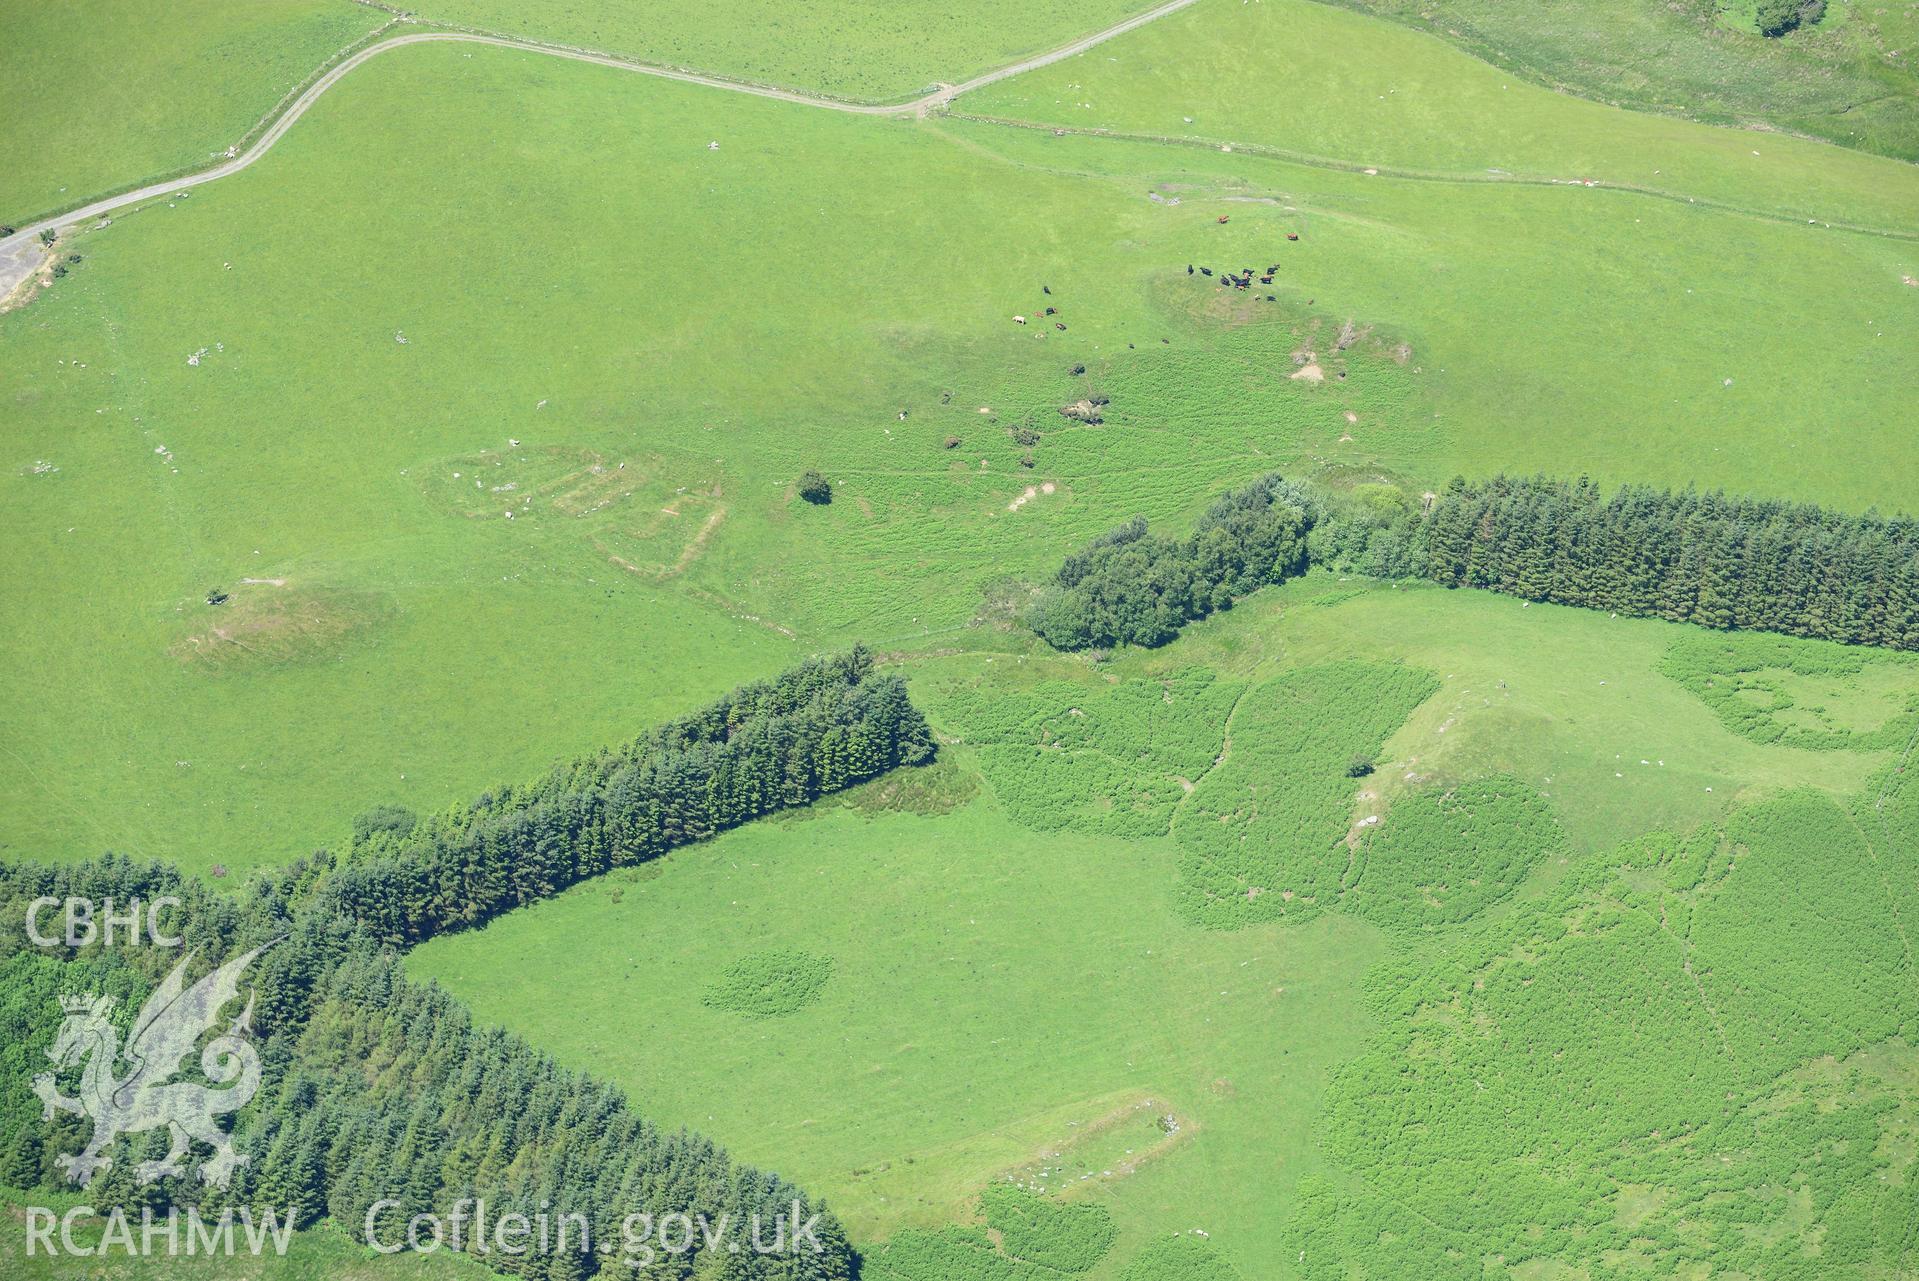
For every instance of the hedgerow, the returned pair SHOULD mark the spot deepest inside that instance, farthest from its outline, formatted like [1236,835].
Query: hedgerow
[1264,831]
[1441,855]
[1743,678]
[766,984]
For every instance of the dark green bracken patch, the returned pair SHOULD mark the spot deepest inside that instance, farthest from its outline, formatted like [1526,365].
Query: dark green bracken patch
[939,788]
[1181,1258]
[1799,693]
[1066,1236]
[768,984]
[1441,856]
[1026,1237]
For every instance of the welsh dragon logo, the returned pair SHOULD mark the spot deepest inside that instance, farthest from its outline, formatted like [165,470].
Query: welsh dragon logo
[148,1096]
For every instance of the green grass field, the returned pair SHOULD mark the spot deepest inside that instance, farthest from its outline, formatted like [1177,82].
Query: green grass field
[965,1035]
[227,423]
[1290,75]
[1850,78]
[101,94]
[858,51]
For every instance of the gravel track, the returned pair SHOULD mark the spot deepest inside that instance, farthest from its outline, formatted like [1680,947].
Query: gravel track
[21,252]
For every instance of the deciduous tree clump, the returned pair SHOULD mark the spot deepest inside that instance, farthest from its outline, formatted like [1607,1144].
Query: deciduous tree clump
[1131,586]
[1777,17]
[816,489]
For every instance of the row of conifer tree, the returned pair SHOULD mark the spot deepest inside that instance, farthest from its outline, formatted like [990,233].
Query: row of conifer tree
[819,727]
[1683,555]
[1688,556]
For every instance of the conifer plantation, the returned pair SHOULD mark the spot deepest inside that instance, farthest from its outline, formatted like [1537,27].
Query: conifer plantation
[1685,556]
[380,1090]
[1710,558]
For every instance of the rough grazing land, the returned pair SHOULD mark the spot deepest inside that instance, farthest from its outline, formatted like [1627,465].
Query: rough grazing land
[101,94]
[1362,929]
[234,425]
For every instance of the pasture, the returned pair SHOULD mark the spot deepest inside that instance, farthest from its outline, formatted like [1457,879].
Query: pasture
[868,53]
[964,1036]
[1849,78]
[336,460]
[1281,75]
[964,1040]
[100,94]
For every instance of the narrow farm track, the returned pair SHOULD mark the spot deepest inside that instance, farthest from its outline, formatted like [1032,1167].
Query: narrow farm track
[1311,161]
[20,253]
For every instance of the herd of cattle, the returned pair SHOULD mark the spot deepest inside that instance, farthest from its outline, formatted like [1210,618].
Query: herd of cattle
[1244,277]
[1241,279]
